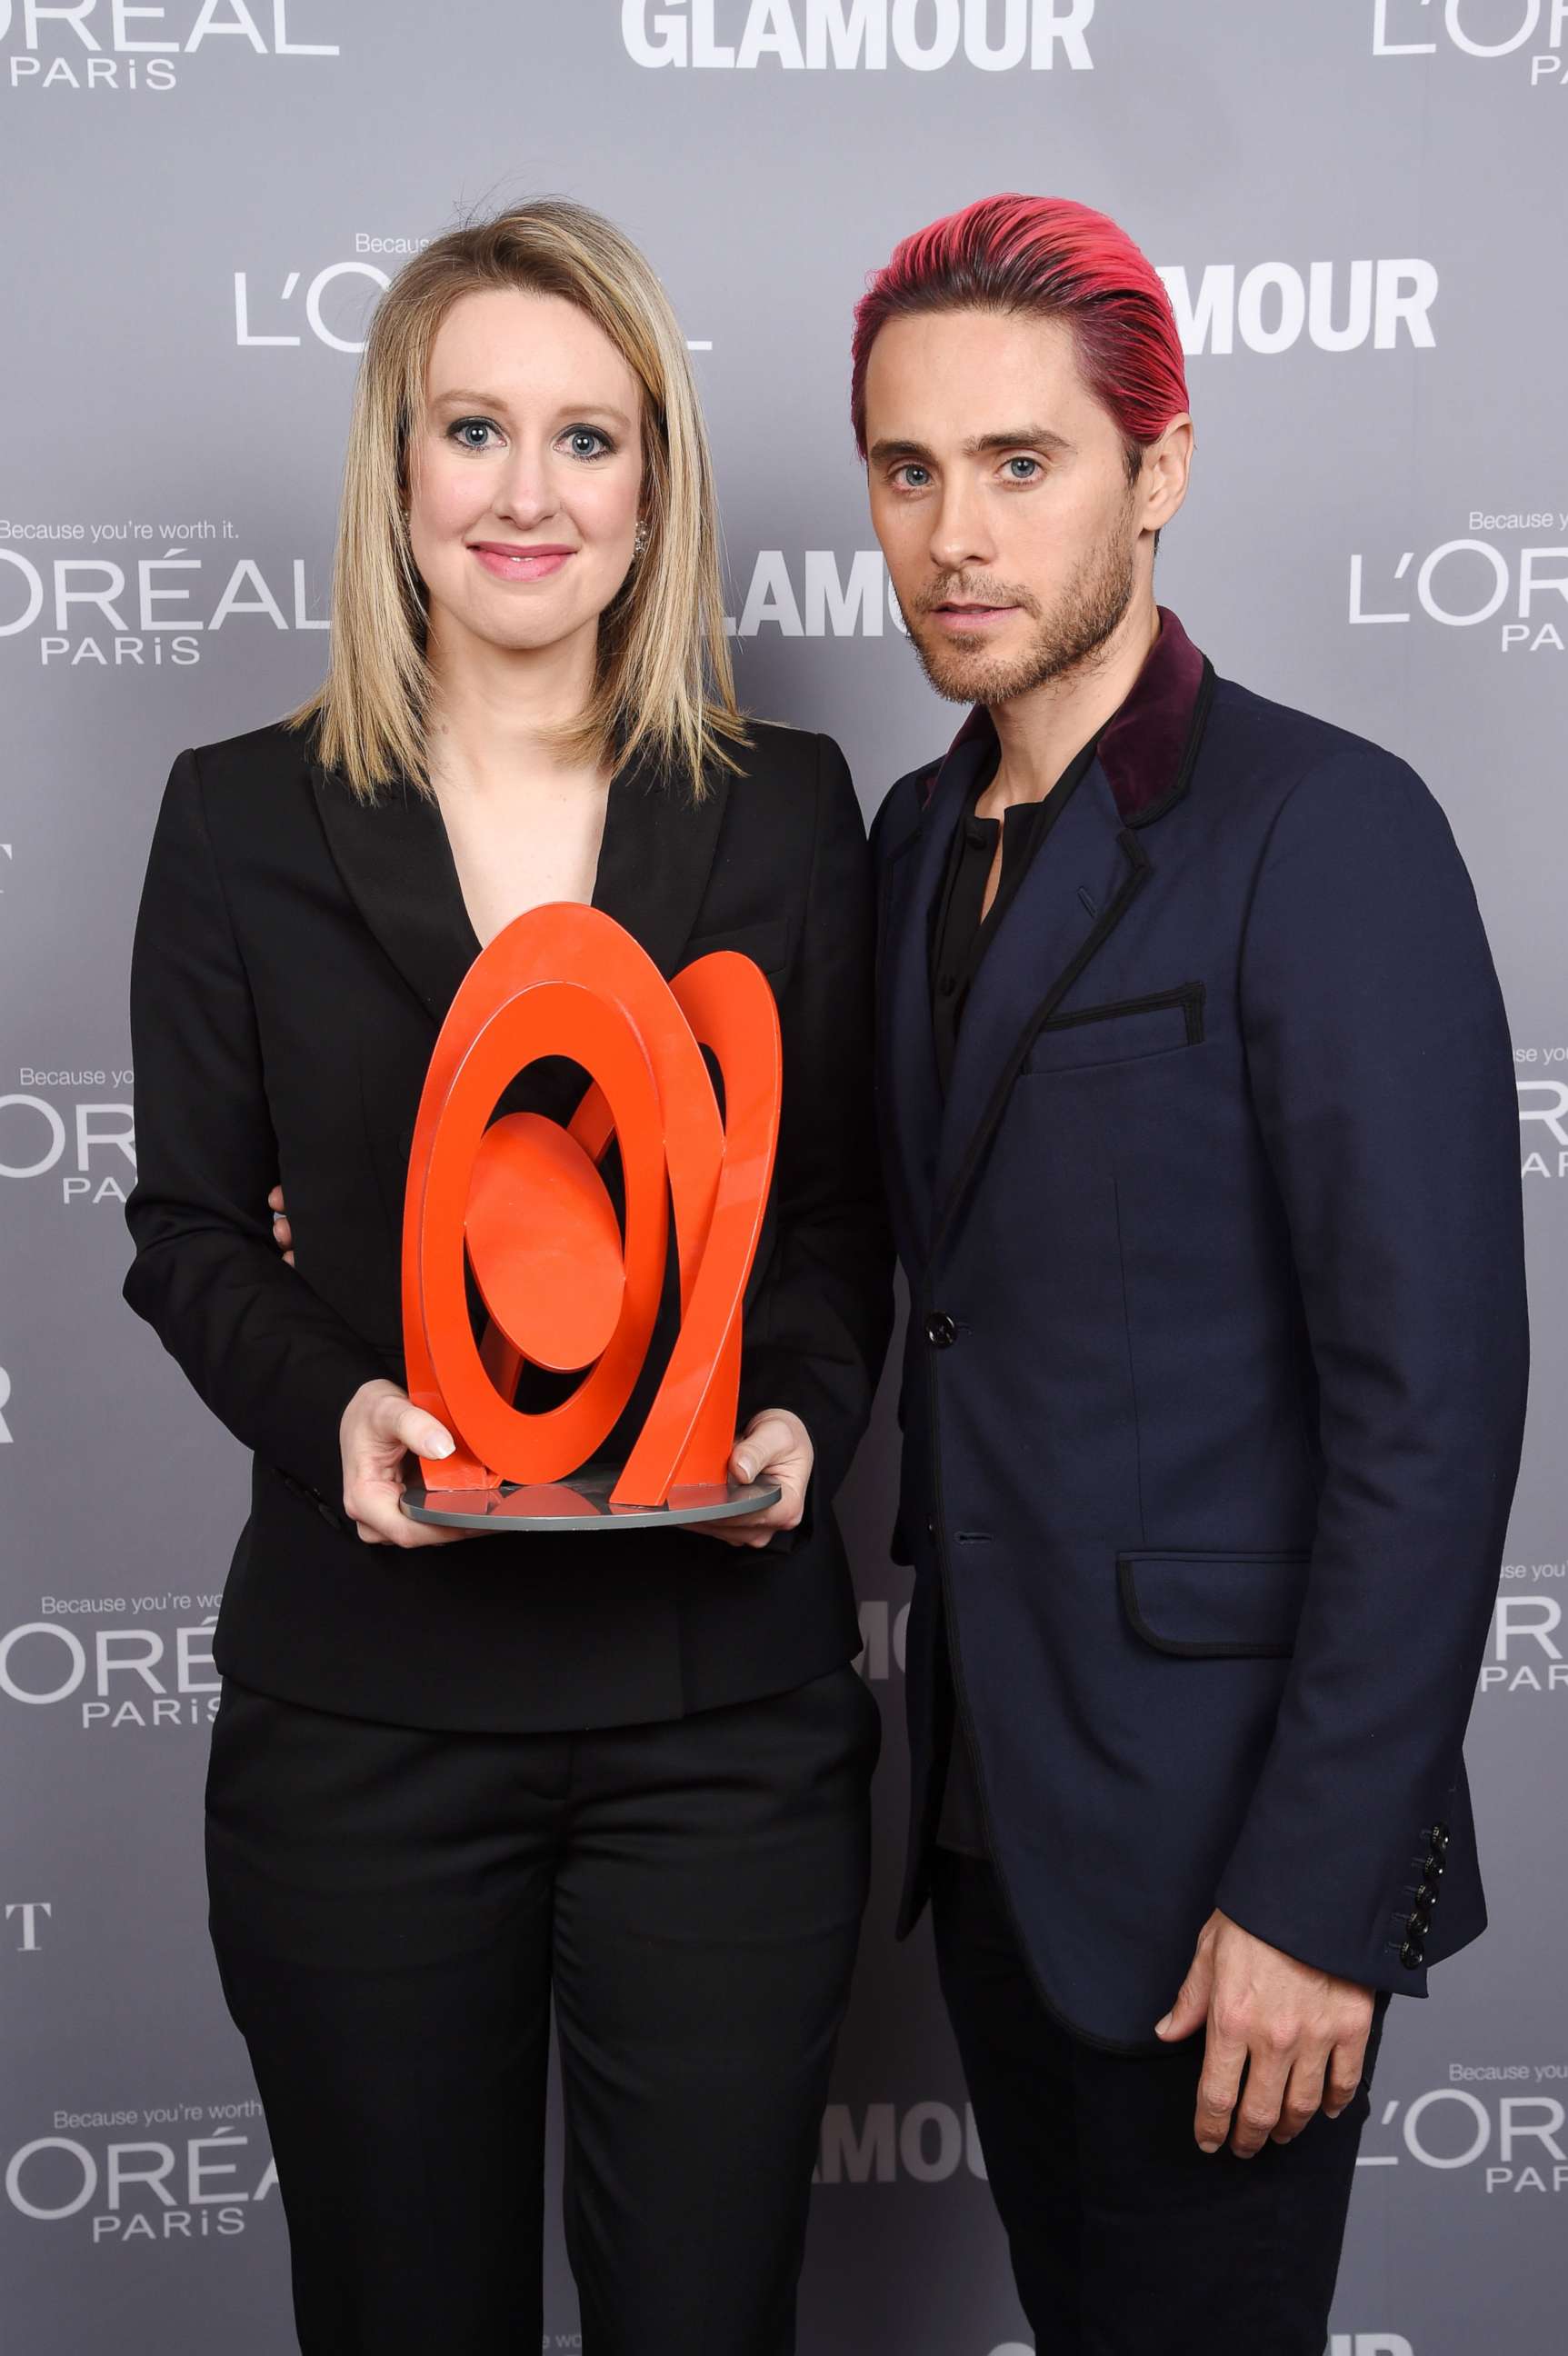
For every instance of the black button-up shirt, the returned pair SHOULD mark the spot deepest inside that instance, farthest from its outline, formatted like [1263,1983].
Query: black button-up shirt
[959,940]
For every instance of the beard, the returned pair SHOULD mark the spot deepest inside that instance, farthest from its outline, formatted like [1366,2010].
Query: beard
[1065,640]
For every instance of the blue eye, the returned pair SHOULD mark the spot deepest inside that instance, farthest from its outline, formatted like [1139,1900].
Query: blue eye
[1032,464]
[587,442]
[909,470]
[463,430]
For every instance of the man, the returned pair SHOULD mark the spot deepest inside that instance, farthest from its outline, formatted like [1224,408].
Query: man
[1216,1370]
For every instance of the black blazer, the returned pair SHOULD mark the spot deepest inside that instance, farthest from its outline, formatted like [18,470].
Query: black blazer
[296,953]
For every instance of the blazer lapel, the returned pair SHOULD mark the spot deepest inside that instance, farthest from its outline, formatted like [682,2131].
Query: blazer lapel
[657,856]
[397,866]
[1088,872]
[1071,899]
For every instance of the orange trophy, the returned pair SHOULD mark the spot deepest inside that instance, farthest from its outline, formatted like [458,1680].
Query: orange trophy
[519,1205]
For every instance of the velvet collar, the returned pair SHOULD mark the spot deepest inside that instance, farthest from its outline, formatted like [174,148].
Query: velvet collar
[1148,746]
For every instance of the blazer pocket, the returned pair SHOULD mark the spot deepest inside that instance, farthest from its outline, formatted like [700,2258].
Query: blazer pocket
[1214,1606]
[766,945]
[1120,1032]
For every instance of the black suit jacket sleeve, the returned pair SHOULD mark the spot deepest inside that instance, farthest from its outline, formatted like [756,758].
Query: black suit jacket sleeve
[1381,1077]
[265,1353]
[817,1332]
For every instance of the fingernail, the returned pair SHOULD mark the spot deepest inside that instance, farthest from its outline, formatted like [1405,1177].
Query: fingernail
[744,1468]
[1161,2026]
[1208,2146]
[441,1447]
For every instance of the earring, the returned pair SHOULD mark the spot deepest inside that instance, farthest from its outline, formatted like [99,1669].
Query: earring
[639,538]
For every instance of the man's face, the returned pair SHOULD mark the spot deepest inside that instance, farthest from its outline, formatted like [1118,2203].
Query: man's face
[1000,494]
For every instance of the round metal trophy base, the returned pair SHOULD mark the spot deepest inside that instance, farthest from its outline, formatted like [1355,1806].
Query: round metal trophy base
[582,1503]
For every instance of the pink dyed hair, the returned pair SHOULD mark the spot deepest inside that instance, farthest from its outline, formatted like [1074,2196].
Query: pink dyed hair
[1048,258]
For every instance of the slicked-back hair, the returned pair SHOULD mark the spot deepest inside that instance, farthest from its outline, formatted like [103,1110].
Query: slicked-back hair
[1041,257]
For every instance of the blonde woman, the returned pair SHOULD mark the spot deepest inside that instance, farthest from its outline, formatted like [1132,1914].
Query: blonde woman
[454,1779]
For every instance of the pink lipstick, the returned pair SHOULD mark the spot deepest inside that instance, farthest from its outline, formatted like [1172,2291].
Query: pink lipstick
[506,560]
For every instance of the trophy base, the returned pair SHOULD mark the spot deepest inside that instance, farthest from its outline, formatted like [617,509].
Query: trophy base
[582,1503]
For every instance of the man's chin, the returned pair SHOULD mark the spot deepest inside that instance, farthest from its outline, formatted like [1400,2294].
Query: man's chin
[960,676]
[968,679]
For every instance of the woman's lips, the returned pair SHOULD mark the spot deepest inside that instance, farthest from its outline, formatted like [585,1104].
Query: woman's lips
[504,561]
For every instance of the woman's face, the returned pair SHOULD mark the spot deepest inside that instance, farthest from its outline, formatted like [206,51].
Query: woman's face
[526,473]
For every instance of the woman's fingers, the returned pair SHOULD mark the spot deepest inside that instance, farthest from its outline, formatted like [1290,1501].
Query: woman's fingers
[381,1428]
[283,1234]
[775,1447]
[409,1428]
[769,1446]
[379,1518]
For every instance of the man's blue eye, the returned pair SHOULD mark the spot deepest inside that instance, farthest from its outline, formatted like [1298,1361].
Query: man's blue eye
[1032,464]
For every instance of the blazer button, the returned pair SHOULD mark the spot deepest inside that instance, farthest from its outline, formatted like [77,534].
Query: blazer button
[1439,1841]
[1432,1871]
[1412,1956]
[940,1331]
[1418,1921]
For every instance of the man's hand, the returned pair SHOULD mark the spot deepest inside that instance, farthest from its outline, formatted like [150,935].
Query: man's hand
[774,1447]
[1300,2035]
[381,1427]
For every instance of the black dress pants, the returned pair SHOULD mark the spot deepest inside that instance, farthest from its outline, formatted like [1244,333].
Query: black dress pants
[1125,2238]
[392,1911]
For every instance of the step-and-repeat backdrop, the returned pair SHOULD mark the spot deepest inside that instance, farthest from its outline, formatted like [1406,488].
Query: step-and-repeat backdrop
[1356,207]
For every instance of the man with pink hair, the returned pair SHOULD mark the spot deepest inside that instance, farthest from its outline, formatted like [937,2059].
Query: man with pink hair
[1215,1376]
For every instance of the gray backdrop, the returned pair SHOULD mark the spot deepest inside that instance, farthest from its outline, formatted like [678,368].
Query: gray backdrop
[1359,208]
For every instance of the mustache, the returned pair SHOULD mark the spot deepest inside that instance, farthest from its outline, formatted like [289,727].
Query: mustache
[975,589]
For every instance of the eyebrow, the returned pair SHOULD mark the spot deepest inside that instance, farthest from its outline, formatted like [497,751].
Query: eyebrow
[979,446]
[467,397]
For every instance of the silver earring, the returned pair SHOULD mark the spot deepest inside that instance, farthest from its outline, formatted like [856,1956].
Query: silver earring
[639,538]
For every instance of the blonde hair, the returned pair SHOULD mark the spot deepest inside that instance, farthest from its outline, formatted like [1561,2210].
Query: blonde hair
[663,683]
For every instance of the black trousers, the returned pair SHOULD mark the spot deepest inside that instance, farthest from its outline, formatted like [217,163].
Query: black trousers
[393,1910]
[1125,2238]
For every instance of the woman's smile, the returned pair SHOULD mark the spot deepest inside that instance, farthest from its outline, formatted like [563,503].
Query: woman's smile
[506,560]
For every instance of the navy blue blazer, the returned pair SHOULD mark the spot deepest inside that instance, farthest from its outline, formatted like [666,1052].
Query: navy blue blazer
[1215,1378]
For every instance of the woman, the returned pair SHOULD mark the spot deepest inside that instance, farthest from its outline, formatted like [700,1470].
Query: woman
[454,1778]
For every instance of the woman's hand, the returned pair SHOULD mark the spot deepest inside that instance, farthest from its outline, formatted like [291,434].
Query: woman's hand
[283,1234]
[775,1447]
[381,1425]
[381,1428]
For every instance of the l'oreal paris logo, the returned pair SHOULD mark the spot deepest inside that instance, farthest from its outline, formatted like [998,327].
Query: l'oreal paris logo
[1525,1656]
[1477,28]
[149,609]
[139,1675]
[113,45]
[1465,583]
[859,36]
[147,2187]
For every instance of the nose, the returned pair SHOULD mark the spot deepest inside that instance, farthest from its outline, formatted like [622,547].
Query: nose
[526,491]
[960,529]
